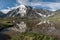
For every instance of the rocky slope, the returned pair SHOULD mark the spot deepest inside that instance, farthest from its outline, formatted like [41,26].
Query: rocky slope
[30,13]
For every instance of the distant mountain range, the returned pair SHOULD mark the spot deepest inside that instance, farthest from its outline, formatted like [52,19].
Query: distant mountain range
[31,13]
[2,15]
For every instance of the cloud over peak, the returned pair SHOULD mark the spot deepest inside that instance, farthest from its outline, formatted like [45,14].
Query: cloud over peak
[51,5]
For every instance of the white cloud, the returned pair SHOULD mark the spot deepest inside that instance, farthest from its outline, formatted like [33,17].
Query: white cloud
[5,10]
[51,5]
[24,2]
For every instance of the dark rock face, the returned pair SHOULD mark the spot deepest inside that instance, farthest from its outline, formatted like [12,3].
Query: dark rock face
[29,13]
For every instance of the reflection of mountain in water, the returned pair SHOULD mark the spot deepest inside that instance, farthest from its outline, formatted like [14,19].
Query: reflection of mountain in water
[46,27]
[19,27]
[41,26]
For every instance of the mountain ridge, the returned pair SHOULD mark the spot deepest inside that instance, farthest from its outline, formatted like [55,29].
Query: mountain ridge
[30,12]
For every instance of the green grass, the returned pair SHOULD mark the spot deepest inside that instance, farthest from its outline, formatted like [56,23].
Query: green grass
[31,36]
[51,38]
[55,18]
[5,23]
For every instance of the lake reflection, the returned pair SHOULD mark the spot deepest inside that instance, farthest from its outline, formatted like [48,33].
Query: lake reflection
[41,26]
[45,27]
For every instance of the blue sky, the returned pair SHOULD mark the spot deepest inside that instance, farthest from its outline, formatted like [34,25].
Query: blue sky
[46,4]
[4,4]
[46,0]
